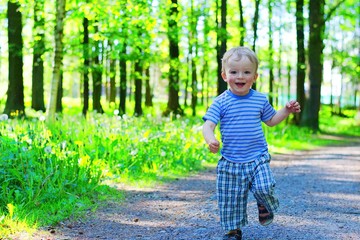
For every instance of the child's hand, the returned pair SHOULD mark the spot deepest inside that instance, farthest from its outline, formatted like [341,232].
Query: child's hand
[214,146]
[293,106]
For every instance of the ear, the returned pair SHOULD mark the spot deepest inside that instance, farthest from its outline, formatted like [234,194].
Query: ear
[223,75]
[255,77]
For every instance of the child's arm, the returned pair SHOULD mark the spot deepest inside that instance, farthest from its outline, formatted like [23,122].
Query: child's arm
[291,107]
[209,136]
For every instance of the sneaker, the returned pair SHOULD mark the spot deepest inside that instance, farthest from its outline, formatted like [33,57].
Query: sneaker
[233,235]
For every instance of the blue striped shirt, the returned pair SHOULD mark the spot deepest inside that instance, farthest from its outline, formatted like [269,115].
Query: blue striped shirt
[240,124]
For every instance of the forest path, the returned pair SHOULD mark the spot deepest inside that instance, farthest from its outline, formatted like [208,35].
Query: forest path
[319,193]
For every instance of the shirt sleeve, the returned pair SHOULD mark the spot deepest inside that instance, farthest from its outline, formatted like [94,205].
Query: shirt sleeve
[268,112]
[213,113]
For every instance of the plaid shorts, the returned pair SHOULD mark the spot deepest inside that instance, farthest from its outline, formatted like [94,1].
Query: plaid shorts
[234,180]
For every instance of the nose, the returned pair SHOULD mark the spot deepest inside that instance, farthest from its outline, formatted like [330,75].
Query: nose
[239,75]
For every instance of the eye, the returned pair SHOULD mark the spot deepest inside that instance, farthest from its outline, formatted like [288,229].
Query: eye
[247,72]
[233,72]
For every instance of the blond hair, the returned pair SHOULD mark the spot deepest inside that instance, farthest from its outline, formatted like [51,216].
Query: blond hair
[238,53]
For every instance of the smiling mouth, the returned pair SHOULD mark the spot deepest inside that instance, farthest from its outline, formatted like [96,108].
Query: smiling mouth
[240,84]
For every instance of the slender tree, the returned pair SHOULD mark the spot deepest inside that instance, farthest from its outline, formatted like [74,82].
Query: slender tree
[271,55]
[193,46]
[301,64]
[138,87]
[97,73]
[123,79]
[37,93]
[242,24]
[221,44]
[112,75]
[86,66]
[173,105]
[255,24]
[58,57]
[60,94]
[255,27]
[148,89]
[15,106]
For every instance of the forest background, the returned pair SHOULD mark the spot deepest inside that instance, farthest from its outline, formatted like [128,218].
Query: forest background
[104,90]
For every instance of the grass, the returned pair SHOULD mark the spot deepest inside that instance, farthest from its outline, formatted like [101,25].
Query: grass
[52,172]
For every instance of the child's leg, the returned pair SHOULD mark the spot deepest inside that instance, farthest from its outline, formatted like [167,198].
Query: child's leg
[263,184]
[232,191]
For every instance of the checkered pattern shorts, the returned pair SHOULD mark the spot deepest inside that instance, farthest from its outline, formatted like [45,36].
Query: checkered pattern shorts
[234,180]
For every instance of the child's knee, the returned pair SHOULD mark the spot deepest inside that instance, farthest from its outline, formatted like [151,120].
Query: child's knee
[265,189]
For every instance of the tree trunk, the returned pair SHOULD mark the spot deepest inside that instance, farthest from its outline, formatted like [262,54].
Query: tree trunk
[59,95]
[255,26]
[173,105]
[86,66]
[112,86]
[59,31]
[123,80]
[316,46]
[37,93]
[271,53]
[148,91]
[97,76]
[242,24]
[138,89]
[15,106]
[301,64]
[221,46]
[193,44]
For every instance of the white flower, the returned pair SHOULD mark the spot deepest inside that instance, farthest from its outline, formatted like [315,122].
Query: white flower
[163,153]
[63,145]
[116,112]
[4,117]
[134,152]
[48,149]
[42,118]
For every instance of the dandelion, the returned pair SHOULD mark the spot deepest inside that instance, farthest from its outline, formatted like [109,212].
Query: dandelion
[116,112]
[48,149]
[79,143]
[163,153]
[42,118]
[11,209]
[4,117]
[84,160]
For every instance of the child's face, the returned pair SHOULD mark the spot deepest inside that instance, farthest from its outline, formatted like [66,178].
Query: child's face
[240,75]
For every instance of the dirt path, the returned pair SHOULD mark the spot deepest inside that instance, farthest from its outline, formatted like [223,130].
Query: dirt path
[319,193]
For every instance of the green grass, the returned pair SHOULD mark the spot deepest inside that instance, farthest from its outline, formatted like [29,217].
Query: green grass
[52,172]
